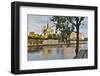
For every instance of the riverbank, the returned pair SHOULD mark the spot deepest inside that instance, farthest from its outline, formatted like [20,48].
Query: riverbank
[33,42]
[55,42]
[82,54]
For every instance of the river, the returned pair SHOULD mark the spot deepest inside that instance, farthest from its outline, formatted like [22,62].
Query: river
[54,52]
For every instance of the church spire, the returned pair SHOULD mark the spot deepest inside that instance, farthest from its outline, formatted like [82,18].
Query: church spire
[47,23]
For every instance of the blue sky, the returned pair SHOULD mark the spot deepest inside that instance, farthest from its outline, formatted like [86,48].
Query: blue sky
[36,22]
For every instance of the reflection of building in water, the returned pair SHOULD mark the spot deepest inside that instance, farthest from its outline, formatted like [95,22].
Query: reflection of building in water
[73,36]
[46,30]
[68,52]
[46,51]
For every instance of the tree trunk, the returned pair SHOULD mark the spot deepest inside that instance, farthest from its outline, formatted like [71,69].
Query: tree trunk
[77,42]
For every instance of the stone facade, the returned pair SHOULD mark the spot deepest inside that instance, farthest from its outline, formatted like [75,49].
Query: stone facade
[46,30]
[74,37]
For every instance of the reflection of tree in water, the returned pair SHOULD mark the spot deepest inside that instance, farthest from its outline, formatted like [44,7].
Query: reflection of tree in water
[49,50]
[59,49]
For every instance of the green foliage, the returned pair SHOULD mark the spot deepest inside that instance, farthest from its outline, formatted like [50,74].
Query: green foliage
[50,36]
[76,21]
[63,26]
[54,36]
[35,36]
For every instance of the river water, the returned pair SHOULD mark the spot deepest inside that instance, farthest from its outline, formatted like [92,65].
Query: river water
[54,52]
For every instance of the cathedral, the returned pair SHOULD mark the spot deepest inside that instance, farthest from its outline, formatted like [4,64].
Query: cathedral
[46,30]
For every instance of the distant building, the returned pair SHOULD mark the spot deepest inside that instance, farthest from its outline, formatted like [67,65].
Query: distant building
[73,36]
[47,30]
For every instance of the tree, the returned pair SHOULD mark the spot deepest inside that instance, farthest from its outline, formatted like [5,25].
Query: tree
[63,26]
[76,21]
[66,24]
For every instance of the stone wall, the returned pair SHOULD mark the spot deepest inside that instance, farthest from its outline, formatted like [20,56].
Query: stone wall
[50,41]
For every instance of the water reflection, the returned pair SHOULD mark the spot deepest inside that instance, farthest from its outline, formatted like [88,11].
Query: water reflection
[54,52]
